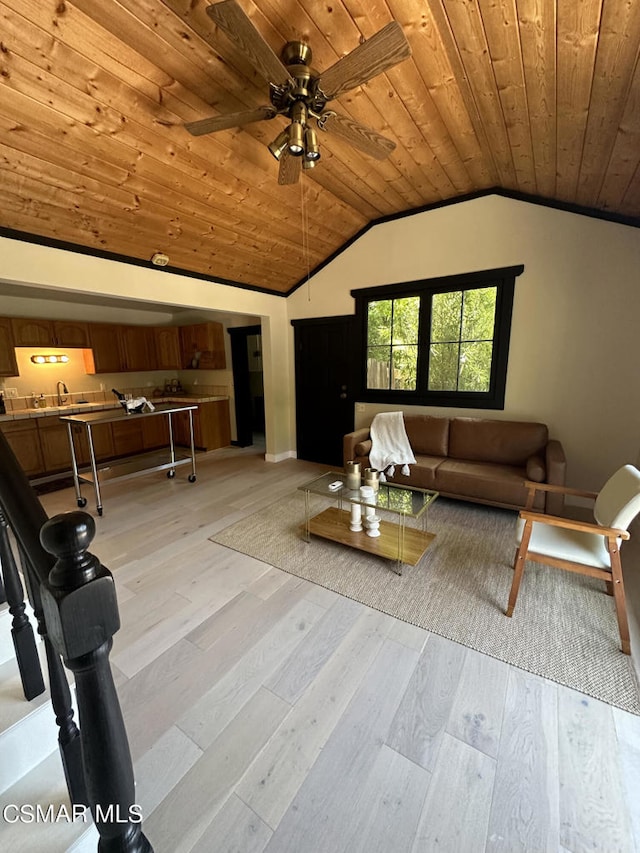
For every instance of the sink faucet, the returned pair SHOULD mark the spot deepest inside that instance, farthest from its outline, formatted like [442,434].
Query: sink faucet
[61,399]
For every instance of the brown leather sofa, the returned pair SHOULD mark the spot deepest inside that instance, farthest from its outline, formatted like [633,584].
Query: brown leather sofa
[475,459]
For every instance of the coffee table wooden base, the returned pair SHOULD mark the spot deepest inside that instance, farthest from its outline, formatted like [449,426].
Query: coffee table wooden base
[333,524]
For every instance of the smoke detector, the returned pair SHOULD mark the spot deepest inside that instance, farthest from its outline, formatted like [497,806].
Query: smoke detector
[159,259]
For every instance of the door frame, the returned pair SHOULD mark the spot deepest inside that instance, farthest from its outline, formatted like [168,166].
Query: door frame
[241,384]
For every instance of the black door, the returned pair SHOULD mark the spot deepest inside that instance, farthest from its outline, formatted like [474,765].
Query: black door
[325,362]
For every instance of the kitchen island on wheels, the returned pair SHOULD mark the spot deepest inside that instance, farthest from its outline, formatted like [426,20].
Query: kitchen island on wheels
[135,466]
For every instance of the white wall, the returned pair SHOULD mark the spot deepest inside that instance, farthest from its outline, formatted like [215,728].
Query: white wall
[575,336]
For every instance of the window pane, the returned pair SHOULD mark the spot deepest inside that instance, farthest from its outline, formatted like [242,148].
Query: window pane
[445,316]
[406,313]
[405,363]
[378,367]
[443,367]
[475,366]
[379,322]
[478,316]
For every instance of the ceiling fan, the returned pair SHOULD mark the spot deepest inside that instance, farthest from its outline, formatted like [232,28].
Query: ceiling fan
[298,92]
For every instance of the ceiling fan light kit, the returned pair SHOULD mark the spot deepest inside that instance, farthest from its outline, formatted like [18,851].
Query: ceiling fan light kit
[299,93]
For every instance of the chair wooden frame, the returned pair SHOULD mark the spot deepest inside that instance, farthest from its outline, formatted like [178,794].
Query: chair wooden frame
[612,535]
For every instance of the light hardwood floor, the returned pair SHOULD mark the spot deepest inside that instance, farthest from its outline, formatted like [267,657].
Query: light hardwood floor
[267,714]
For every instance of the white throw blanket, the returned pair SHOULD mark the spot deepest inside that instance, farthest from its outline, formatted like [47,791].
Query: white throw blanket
[389,444]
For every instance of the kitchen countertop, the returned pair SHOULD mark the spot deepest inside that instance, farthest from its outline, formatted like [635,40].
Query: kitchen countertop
[76,409]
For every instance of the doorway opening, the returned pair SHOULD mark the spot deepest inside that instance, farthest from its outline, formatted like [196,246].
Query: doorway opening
[248,384]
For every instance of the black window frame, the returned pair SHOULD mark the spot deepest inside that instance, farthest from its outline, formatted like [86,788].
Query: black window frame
[503,278]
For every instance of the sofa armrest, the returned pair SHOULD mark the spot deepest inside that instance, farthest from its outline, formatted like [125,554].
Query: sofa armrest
[349,443]
[556,474]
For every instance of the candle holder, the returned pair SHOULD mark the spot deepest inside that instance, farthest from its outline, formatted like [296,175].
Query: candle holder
[372,478]
[371,520]
[352,470]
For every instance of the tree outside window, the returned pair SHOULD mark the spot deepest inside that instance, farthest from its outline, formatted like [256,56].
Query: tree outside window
[462,327]
[438,342]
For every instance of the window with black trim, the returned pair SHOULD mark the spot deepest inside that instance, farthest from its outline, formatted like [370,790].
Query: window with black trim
[440,342]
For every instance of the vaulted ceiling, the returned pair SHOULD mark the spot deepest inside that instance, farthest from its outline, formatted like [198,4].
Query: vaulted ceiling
[539,97]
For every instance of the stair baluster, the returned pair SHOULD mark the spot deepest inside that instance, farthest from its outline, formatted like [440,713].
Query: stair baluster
[81,612]
[21,630]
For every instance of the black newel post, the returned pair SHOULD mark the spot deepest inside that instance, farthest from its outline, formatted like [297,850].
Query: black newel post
[81,613]
[21,631]
[68,734]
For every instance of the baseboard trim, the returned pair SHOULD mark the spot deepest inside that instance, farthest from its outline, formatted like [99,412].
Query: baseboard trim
[280,457]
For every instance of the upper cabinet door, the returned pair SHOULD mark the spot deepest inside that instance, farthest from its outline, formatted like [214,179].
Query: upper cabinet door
[29,332]
[203,346]
[167,347]
[8,363]
[105,343]
[70,334]
[138,347]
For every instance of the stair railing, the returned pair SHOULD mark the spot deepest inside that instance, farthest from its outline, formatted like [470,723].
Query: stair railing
[24,643]
[74,602]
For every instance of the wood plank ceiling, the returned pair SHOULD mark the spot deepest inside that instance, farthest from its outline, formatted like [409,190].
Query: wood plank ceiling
[540,97]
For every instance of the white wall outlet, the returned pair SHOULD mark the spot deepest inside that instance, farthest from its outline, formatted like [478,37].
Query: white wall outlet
[11,393]
[102,386]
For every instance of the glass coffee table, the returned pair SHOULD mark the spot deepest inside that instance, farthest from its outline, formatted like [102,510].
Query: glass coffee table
[395,541]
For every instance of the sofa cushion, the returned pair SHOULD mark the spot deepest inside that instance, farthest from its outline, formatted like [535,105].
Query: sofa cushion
[422,475]
[499,484]
[427,435]
[504,442]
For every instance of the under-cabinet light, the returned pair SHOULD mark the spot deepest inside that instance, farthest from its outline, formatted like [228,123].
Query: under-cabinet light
[49,359]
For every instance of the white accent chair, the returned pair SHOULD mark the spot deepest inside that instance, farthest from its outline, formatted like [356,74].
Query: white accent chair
[590,548]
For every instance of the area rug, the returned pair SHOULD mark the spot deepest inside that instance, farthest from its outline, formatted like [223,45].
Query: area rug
[563,628]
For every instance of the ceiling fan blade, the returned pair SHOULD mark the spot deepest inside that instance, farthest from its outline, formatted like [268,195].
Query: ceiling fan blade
[357,134]
[238,27]
[215,123]
[383,50]
[290,168]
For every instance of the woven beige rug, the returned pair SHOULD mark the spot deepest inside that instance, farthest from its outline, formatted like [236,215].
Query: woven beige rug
[563,628]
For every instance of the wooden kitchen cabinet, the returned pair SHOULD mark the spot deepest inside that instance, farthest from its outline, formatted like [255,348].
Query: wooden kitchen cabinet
[206,339]
[211,428]
[68,333]
[128,436]
[22,437]
[155,432]
[214,424]
[138,346]
[54,442]
[106,353]
[8,363]
[32,332]
[167,341]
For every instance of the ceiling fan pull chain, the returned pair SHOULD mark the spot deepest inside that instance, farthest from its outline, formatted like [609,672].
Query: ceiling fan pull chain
[305,237]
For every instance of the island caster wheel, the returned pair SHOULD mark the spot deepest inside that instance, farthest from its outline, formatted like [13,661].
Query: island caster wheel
[82,502]
[171,474]
[192,478]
